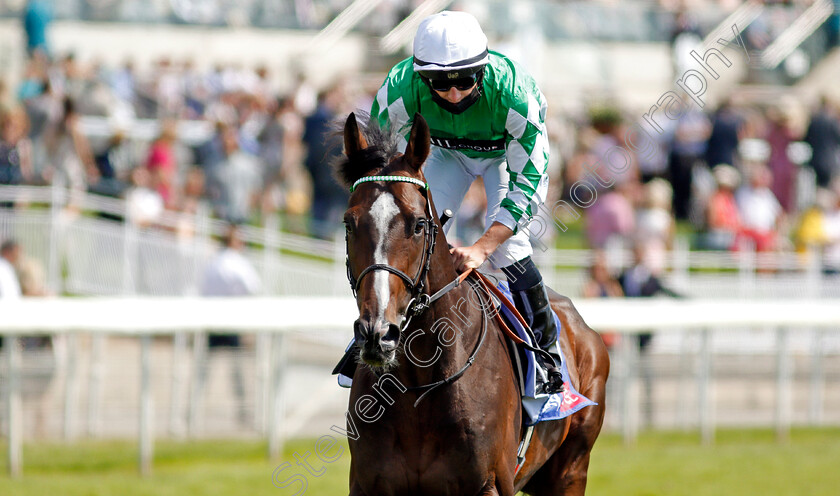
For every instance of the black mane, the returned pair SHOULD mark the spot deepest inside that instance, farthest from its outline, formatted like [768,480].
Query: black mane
[382,146]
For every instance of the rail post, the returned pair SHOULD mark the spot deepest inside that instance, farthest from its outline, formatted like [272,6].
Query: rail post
[784,386]
[14,412]
[705,393]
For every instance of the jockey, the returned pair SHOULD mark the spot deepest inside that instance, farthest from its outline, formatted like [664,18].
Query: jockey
[487,118]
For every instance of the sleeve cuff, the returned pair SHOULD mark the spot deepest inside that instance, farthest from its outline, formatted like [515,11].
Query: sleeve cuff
[506,218]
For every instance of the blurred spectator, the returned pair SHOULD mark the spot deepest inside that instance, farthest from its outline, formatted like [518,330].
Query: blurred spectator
[329,198]
[162,163]
[824,137]
[831,250]
[272,140]
[37,17]
[654,163]
[654,221]
[759,210]
[281,152]
[29,271]
[15,147]
[610,216]
[69,153]
[607,121]
[812,232]
[230,273]
[725,135]
[783,130]
[575,168]
[227,274]
[169,90]
[112,165]
[685,38]
[9,284]
[723,222]
[304,94]
[71,79]
[39,363]
[143,204]
[641,280]
[602,284]
[237,180]
[690,136]
[123,83]
[5,97]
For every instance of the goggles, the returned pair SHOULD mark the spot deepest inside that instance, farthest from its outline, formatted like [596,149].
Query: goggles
[444,84]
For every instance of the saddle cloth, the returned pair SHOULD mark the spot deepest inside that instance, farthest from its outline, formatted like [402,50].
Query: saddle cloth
[538,407]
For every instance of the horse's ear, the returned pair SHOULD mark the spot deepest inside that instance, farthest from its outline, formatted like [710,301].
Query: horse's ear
[419,142]
[354,141]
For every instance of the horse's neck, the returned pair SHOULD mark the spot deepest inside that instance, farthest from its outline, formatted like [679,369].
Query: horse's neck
[444,337]
[450,327]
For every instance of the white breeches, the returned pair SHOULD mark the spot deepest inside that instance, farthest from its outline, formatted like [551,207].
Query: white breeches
[450,174]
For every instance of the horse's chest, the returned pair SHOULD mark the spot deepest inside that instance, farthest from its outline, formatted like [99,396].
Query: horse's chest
[451,459]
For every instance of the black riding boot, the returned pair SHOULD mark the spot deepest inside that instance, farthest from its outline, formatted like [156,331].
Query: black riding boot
[532,303]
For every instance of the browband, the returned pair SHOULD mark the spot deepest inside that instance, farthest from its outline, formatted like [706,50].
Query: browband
[393,179]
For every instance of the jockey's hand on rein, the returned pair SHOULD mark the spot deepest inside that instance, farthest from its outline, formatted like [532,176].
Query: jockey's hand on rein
[466,257]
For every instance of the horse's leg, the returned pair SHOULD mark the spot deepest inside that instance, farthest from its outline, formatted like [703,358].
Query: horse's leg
[565,473]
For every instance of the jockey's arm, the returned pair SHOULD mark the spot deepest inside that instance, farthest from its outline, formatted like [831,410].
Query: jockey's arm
[475,255]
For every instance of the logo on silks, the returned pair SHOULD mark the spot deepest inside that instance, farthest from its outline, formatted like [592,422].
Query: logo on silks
[452,75]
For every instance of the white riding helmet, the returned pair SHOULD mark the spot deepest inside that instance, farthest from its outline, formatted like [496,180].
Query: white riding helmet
[450,42]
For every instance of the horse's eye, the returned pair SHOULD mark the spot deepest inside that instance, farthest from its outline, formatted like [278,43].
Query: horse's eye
[348,227]
[420,226]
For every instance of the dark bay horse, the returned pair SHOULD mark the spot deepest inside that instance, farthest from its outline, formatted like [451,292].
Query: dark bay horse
[462,437]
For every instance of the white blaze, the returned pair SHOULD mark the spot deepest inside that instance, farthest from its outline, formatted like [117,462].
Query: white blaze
[384,209]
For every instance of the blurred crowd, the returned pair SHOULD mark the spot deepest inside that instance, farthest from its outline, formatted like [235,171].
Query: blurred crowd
[254,152]
[741,175]
[757,175]
[763,177]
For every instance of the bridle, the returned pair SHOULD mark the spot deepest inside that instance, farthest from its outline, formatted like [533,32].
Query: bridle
[420,299]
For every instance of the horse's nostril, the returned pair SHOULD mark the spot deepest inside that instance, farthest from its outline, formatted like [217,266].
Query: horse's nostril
[389,336]
[393,333]
[360,332]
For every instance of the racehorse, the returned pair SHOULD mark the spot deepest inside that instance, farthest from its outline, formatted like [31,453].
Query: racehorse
[435,407]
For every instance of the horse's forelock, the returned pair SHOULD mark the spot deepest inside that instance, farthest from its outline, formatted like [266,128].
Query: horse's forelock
[383,145]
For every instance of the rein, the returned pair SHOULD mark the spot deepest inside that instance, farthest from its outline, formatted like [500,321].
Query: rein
[428,388]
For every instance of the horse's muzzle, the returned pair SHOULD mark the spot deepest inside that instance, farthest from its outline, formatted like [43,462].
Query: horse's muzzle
[377,341]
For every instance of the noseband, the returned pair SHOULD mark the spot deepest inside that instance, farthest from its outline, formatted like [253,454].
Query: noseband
[420,299]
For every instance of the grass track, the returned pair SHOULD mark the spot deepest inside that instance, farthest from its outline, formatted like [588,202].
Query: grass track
[742,463]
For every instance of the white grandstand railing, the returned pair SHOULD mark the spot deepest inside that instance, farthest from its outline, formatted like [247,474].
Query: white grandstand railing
[146,317]
[341,25]
[803,27]
[734,23]
[580,258]
[404,31]
[89,255]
